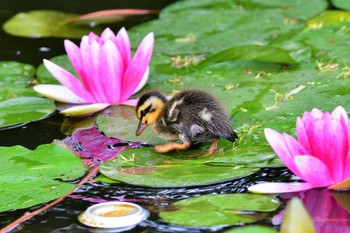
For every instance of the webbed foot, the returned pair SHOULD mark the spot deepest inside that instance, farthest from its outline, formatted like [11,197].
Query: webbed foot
[171,146]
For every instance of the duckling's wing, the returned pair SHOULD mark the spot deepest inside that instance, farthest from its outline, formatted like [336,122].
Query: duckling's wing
[194,108]
[221,127]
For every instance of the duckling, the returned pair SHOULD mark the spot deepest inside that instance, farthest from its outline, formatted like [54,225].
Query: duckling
[191,115]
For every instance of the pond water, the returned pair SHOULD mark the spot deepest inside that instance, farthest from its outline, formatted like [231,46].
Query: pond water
[63,216]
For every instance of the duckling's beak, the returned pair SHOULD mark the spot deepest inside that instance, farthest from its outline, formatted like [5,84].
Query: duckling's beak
[140,128]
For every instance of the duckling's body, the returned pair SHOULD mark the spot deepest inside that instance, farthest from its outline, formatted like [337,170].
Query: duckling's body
[191,115]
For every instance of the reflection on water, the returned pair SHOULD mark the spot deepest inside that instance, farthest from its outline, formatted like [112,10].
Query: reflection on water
[330,211]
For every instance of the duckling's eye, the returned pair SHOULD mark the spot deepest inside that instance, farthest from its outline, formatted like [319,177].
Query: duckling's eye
[145,111]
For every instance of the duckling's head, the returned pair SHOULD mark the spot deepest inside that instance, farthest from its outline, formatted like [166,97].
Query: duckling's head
[148,109]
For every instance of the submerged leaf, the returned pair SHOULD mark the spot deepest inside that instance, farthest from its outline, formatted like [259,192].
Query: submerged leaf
[42,23]
[221,209]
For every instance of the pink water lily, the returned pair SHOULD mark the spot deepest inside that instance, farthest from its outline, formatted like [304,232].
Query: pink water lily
[320,156]
[107,73]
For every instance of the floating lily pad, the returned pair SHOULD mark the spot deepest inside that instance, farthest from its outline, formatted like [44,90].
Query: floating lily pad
[42,23]
[15,80]
[121,122]
[252,229]
[146,168]
[222,209]
[251,52]
[342,4]
[22,110]
[328,18]
[29,178]
[288,7]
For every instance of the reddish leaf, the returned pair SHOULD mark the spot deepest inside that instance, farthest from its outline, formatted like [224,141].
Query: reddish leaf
[108,15]
[91,144]
[343,185]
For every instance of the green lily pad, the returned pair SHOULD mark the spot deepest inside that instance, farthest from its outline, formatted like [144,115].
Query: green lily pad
[222,209]
[18,101]
[121,122]
[215,26]
[327,18]
[22,110]
[252,229]
[15,79]
[251,52]
[146,168]
[42,23]
[28,178]
[342,4]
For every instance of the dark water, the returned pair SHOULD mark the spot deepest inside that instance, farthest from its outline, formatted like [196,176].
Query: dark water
[63,216]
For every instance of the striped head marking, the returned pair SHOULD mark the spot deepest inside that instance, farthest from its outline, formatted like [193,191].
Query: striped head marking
[149,108]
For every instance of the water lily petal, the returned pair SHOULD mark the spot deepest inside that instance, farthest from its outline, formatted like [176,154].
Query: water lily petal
[97,75]
[74,55]
[317,130]
[132,102]
[347,166]
[303,137]
[313,170]
[279,187]
[327,117]
[68,80]
[316,113]
[111,71]
[92,37]
[123,42]
[59,93]
[137,67]
[107,34]
[286,147]
[91,54]
[340,113]
[143,81]
[87,109]
[336,148]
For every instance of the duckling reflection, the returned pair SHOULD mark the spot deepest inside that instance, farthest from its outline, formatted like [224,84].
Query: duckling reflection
[189,116]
